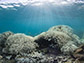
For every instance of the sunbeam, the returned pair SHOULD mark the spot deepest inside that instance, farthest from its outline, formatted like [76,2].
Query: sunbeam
[39,15]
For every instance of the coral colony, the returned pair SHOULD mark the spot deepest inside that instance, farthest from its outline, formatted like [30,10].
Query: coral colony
[57,45]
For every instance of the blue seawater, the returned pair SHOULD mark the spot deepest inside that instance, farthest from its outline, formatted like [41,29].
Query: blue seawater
[33,20]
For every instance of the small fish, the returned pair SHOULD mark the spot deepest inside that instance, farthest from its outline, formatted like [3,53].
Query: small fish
[29,32]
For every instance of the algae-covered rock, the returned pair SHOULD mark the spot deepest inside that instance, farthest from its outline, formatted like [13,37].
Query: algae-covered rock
[82,40]
[69,31]
[3,38]
[53,38]
[69,48]
[19,43]
[62,28]
[59,37]
[75,39]
[31,58]
[7,61]
[39,58]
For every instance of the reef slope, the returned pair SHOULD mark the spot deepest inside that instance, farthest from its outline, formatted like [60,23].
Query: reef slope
[57,45]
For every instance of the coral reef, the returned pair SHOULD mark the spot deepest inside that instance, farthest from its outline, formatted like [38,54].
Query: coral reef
[62,28]
[19,43]
[69,48]
[59,37]
[57,45]
[31,58]
[53,38]
[67,30]
[39,58]
[3,38]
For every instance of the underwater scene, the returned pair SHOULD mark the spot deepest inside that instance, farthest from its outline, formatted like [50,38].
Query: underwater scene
[41,31]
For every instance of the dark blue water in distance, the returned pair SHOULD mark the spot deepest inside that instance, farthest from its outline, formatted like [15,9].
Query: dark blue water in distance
[33,20]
